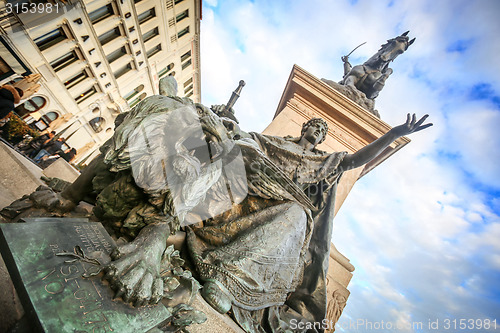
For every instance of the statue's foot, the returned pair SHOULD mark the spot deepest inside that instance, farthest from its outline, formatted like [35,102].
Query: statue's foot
[217,296]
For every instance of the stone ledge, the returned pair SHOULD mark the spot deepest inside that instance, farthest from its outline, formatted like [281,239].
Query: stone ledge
[18,175]
[216,322]
[62,170]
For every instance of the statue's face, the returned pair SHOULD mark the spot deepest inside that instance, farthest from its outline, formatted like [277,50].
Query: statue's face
[314,133]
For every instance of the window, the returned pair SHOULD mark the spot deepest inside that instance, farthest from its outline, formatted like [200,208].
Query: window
[125,69]
[51,38]
[177,1]
[101,13]
[185,56]
[50,117]
[83,96]
[37,102]
[150,34]
[190,94]
[148,14]
[34,104]
[186,64]
[137,90]
[17,79]
[188,89]
[182,16]
[183,32]
[165,70]
[153,51]
[109,35]
[188,82]
[75,79]
[97,124]
[117,54]
[138,99]
[64,60]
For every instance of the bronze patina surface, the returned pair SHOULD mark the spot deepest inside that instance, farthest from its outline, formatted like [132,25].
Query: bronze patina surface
[52,287]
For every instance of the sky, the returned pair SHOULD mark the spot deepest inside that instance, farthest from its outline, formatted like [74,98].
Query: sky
[423,228]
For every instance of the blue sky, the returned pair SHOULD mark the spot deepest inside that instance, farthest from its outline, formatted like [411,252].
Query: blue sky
[422,229]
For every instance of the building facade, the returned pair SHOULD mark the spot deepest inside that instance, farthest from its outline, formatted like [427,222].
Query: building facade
[97,59]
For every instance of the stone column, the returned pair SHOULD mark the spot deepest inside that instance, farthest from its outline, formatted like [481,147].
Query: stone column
[350,127]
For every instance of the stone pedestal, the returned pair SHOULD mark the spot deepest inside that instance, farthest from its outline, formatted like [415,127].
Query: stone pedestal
[350,128]
[18,175]
[62,170]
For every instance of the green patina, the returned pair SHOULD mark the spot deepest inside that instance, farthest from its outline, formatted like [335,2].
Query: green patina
[63,300]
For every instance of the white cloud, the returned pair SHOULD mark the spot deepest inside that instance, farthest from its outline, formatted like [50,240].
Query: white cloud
[475,137]
[211,3]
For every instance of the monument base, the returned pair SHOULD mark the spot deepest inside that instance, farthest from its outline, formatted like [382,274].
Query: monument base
[52,264]
[56,296]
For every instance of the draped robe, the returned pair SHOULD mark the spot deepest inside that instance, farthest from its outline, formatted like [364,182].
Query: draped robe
[272,255]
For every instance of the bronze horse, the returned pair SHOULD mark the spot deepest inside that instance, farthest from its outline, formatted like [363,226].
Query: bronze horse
[370,77]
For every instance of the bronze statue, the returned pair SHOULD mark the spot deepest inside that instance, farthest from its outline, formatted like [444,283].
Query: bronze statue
[266,259]
[163,152]
[363,83]
[257,209]
[370,77]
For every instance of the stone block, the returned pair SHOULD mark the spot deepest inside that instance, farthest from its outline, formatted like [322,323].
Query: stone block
[63,170]
[52,288]
[18,175]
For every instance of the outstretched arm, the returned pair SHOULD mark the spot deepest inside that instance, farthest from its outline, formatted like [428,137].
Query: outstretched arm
[368,153]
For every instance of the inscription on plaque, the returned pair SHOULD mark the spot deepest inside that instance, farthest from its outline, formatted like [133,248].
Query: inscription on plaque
[53,287]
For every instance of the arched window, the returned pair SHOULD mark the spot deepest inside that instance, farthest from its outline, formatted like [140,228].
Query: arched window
[97,124]
[137,90]
[165,70]
[45,120]
[50,117]
[31,105]
[17,79]
[138,99]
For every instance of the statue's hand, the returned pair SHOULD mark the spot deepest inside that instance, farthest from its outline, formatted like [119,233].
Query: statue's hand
[410,126]
[134,272]
[345,58]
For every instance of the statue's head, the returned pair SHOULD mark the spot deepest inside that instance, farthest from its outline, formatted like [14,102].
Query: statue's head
[168,86]
[314,130]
